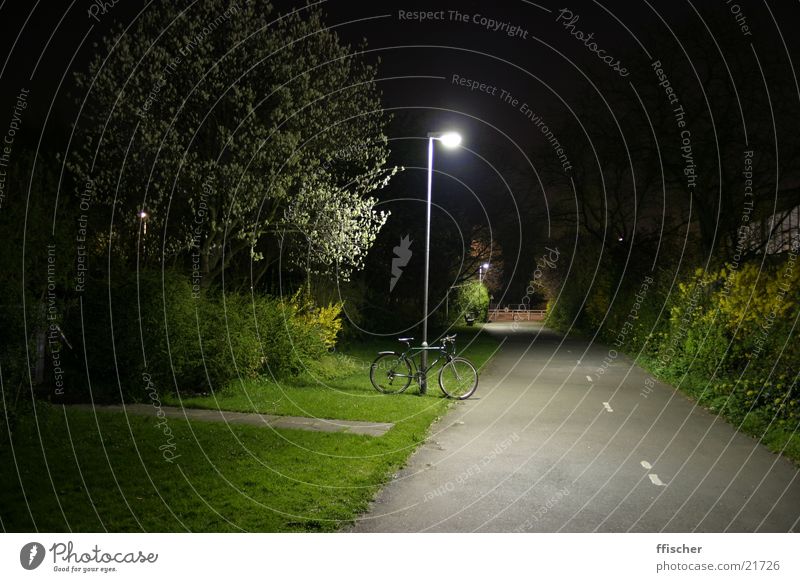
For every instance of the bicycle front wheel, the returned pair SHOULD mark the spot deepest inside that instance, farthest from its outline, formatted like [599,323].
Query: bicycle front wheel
[390,373]
[458,378]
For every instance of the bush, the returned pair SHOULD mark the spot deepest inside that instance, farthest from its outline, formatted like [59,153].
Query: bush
[736,321]
[472,297]
[151,324]
[288,339]
[190,343]
[728,335]
[569,288]
[730,331]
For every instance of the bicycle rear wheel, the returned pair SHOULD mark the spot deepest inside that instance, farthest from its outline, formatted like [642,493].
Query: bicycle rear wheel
[458,378]
[390,373]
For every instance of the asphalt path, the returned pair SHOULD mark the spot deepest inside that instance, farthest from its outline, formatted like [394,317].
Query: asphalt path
[549,444]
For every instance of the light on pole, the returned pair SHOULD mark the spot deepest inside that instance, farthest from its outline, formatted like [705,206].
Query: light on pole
[451,140]
[143,216]
[483,268]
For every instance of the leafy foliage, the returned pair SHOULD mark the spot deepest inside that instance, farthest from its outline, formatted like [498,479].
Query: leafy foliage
[472,297]
[729,335]
[155,324]
[242,133]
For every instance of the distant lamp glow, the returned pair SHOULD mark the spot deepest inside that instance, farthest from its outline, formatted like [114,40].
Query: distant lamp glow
[451,139]
[483,268]
[144,216]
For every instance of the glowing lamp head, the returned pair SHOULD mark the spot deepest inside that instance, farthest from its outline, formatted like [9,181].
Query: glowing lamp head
[451,139]
[486,266]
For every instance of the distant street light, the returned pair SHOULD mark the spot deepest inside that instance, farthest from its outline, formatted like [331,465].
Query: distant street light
[143,216]
[483,268]
[449,139]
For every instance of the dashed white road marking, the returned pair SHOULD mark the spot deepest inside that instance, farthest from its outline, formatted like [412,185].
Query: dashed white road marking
[653,477]
[589,378]
[608,407]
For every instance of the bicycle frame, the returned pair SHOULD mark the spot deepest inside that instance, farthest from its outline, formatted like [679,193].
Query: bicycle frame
[458,377]
[412,353]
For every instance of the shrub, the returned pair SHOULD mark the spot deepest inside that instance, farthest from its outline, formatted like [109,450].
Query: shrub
[287,342]
[186,342]
[152,324]
[730,330]
[294,332]
[472,297]
[324,319]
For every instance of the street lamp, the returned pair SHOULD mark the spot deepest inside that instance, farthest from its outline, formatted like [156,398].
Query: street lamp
[483,268]
[143,216]
[449,139]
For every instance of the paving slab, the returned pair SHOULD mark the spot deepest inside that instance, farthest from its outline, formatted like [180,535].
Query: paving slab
[374,429]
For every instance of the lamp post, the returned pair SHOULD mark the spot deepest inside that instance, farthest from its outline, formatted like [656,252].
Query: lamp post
[143,216]
[483,268]
[451,140]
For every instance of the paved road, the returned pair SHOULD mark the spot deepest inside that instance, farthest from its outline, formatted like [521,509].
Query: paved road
[550,445]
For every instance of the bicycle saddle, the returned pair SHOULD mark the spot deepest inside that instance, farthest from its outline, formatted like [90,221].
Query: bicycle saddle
[405,339]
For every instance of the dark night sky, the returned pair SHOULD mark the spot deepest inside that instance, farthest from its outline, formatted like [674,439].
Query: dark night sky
[48,40]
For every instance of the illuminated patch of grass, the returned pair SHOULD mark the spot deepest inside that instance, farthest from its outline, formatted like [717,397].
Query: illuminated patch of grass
[79,472]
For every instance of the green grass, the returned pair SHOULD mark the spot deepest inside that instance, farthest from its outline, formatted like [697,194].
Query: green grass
[78,472]
[336,388]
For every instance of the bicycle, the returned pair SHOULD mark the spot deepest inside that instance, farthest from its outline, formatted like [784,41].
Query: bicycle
[392,372]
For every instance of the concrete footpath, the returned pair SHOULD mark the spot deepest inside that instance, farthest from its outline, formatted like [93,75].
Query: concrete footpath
[374,429]
[548,444]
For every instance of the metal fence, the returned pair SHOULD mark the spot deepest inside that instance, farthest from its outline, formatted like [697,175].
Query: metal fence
[514,313]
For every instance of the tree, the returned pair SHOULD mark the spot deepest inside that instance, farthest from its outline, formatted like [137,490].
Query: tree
[232,132]
[37,263]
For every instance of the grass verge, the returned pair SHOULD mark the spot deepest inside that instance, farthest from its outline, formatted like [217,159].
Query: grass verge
[70,470]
